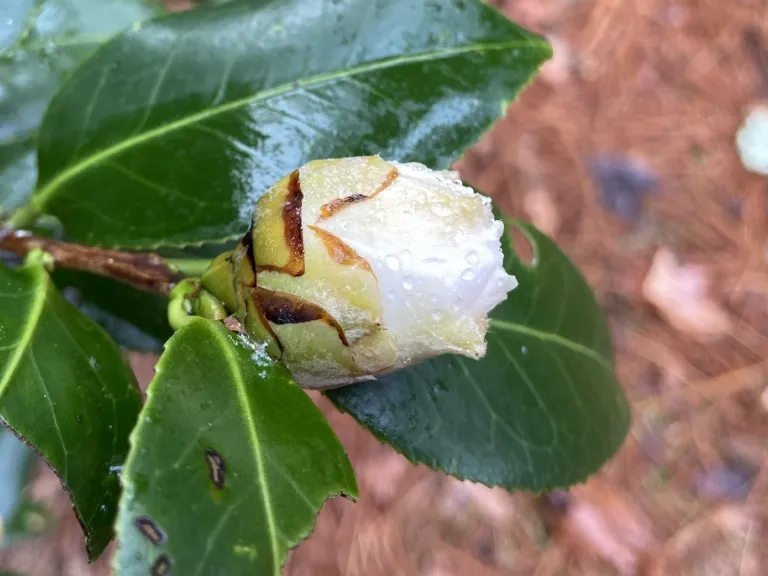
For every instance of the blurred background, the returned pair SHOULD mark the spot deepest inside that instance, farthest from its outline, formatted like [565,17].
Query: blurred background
[624,151]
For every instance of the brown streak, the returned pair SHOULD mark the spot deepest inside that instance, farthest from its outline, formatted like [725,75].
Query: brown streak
[267,325]
[283,308]
[339,251]
[247,243]
[330,208]
[292,229]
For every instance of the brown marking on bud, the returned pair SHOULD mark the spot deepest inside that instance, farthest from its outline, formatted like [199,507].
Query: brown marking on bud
[162,566]
[338,204]
[340,251]
[150,530]
[283,308]
[216,467]
[247,243]
[294,236]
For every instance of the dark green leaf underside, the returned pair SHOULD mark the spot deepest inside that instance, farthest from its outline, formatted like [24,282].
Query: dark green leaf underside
[136,320]
[65,388]
[230,462]
[236,96]
[41,41]
[542,409]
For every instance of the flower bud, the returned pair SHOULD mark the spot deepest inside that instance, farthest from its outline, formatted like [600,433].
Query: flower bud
[355,267]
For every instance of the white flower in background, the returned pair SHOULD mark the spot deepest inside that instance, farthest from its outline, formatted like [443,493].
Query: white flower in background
[356,266]
[752,141]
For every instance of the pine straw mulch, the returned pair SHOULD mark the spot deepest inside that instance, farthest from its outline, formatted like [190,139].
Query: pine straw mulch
[665,83]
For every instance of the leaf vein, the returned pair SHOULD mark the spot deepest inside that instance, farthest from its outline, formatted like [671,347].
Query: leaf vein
[43,194]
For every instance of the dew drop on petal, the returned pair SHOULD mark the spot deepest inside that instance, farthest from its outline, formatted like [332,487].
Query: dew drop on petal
[393,263]
[437,315]
[468,274]
[472,257]
[434,298]
[407,282]
[391,294]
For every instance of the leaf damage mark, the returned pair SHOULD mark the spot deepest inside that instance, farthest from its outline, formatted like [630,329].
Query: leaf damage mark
[150,530]
[162,566]
[216,467]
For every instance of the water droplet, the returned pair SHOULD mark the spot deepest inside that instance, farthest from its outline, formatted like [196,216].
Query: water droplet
[407,282]
[393,263]
[524,350]
[103,508]
[437,315]
[434,298]
[147,419]
[472,257]
[391,294]
[9,21]
[468,274]
[405,257]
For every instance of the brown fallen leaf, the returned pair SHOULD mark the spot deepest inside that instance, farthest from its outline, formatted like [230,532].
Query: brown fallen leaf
[600,520]
[681,294]
[542,211]
[557,70]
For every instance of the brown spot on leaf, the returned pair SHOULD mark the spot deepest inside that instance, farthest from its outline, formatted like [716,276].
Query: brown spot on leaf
[162,566]
[284,308]
[294,237]
[339,251]
[334,206]
[216,467]
[150,530]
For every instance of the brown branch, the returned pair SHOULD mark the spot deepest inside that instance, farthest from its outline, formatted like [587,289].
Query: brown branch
[143,270]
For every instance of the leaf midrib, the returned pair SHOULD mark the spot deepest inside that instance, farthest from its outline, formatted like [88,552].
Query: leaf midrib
[43,194]
[31,324]
[554,338]
[240,388]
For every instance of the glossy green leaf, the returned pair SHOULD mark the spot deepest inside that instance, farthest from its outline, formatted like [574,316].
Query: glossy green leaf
[542,409]
[65,388]
[169,133]
[41,41]
[229,464]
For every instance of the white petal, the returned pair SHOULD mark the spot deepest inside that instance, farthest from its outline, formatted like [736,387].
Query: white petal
[434,246]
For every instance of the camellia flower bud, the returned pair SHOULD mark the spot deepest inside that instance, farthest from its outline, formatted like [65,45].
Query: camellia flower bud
[355,267]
